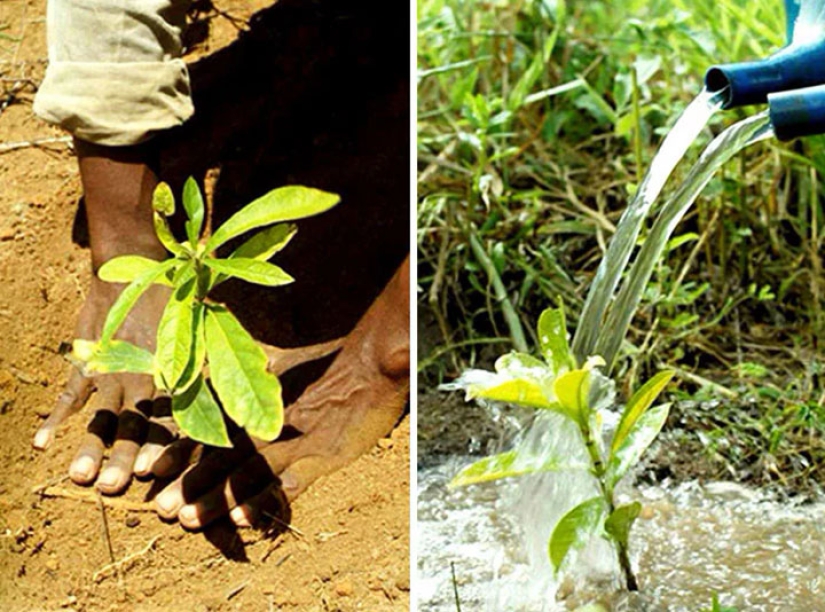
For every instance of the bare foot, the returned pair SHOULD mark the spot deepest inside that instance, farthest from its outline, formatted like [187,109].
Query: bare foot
[357,401]
[118,186]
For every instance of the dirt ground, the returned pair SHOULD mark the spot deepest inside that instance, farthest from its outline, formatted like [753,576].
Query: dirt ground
[349,549]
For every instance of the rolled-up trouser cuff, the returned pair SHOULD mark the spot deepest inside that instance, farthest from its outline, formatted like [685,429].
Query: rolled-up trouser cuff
[115,103]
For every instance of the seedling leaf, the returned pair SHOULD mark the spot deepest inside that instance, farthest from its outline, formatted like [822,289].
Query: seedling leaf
[575,529]
[199,416]
[572,390]
[266,243]
[116,356]
[165,235]
[552,331]
[282,204]
[174,339]
[523,392]
[641,401]
[129,296]
[193,204]
[163,200]
[642,434]
[506,465]
[620,521]
[198,353]
[127,268]
[251,270]
[250,395]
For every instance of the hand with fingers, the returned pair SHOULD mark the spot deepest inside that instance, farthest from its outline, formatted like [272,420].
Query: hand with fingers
[358,400]
[126,411]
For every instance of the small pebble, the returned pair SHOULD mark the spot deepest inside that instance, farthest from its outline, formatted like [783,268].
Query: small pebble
[344,588]
[132,521]
[52,564]
[386,443]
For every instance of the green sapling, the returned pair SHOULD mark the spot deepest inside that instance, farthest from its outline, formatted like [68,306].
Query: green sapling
[195,334]
[559,384]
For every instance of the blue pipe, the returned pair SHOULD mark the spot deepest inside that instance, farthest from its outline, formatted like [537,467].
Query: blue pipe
[800,112]
[793,67]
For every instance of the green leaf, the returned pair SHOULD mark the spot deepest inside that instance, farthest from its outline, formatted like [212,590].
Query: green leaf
[620,521]
[282,204]
[638,404]
[552,332]
[250,395]
[516,391]
[251,270]
[635,443]
[175,336]
[572,391]
[198,353]
[193,204]
[163,200]
[129,296]
[116,356]
[575,529]
[127,268]
[199,416]
[266,243]
[509,464]
[165,235]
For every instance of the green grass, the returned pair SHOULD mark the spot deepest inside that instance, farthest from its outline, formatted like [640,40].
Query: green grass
[536,121]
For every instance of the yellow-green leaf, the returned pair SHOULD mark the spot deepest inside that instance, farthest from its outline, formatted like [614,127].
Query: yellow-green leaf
[552,332]
[509,464]
[175,336]
[639,403]
[250,395]
[575,529]
[193,205]
[126,268]
[129,296]
[116,356]
[165,235]
[163,200]
[198,353]
[251,270]
[266,243]
[620,521]
[198,415]
[282,204]
[572,390]
[635,443]
[516,391]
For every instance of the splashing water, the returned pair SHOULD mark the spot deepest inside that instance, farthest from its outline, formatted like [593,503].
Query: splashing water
[687,128]
[726,145]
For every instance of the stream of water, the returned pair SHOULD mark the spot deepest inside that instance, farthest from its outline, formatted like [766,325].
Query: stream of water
[726,145]
[692,541]
[685,131]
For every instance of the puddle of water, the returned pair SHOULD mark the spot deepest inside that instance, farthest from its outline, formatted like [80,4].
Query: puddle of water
[691,541]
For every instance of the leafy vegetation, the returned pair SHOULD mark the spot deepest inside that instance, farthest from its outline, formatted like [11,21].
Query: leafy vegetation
[195,334]
[577,392]
[536,121]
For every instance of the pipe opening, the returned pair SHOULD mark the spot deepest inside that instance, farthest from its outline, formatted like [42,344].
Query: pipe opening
[717,80]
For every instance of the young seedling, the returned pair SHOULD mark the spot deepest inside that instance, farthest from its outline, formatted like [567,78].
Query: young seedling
[559,384]
[193,333]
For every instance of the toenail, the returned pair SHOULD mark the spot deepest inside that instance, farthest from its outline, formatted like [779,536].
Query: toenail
[82,468]
[189,515]
[142,463]
[289,481]
[109,478]
[42,438]
[167,502]
[239,517]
